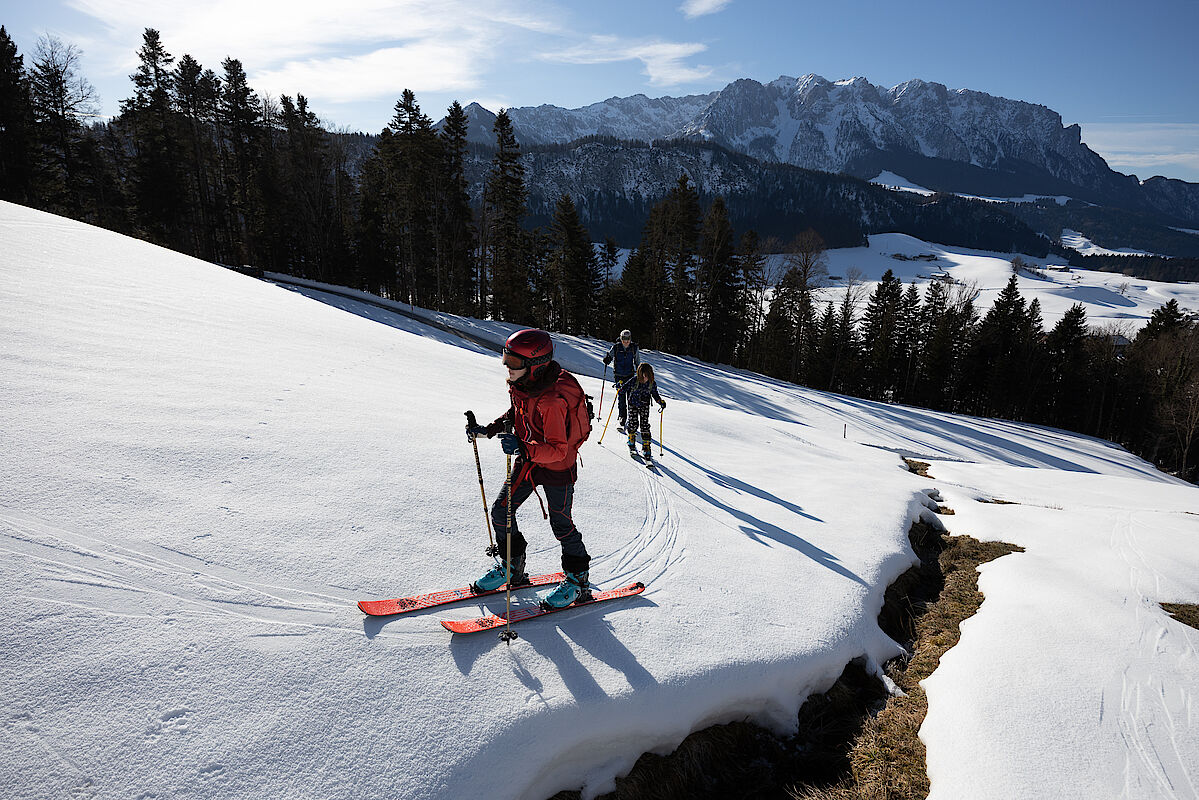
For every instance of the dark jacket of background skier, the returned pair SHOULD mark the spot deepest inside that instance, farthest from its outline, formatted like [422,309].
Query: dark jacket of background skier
[624,360]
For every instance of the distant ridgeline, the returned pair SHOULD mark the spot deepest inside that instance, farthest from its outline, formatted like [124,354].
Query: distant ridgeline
[615,183]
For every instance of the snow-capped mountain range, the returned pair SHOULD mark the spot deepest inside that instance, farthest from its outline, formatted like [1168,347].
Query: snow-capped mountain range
[955,140]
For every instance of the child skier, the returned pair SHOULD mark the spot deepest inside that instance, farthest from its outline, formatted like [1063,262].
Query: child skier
[545,426]
[640,394]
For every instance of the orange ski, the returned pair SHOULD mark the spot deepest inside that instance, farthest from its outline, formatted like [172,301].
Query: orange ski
[528,612]
[402,605]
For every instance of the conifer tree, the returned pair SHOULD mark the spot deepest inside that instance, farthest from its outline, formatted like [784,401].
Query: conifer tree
[195,93]
[1030,364]
[805,259]
[413,159]
[881,359]
[507,243]
[719,316]
[645,290]
[845,367]
[242,149]
[827,348]
[781,328]
[634,295]
[1068,370]
[673,245]
[935,360]
[755,282]
[454,221]
[16,125]
[993,382]
[908,340]
[159,193]
[573,273]
[607,261]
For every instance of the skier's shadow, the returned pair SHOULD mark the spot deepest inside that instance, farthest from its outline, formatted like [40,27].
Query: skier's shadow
[587,628]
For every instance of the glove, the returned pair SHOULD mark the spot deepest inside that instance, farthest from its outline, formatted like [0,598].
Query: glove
[475,431]
[511,444]
[663,404]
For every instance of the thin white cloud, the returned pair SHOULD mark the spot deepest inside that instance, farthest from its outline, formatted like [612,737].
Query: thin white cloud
[698,8]
[422,67]
[1146,148]
[664,62]
[327,50]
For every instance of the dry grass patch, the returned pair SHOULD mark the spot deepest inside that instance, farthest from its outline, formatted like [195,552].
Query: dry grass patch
[918,467]
[855,742]
[887,760]
[1186,614]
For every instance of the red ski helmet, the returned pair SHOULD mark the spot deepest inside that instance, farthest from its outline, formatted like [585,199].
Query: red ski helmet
[530,348]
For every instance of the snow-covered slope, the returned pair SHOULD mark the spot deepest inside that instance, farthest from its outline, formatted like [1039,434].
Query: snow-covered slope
[202,473]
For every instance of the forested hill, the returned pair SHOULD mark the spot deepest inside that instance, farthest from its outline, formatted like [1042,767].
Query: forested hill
[615,184]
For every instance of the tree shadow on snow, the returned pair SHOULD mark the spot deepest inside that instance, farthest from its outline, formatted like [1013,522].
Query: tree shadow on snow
[729,482]
[759,530]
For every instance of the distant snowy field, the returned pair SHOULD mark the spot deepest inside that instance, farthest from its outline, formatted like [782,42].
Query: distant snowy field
[1108,297]
[202,472]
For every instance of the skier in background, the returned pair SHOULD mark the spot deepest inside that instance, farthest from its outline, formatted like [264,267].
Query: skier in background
[544,427]
[624,358]
[640,393]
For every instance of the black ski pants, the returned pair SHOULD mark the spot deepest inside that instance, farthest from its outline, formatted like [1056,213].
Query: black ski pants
[559,500]
[624,386]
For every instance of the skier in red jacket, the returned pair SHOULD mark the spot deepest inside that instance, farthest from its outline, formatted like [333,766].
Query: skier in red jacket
[544,427]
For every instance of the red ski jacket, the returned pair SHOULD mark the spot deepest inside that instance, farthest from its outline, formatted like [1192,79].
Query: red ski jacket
[539,417]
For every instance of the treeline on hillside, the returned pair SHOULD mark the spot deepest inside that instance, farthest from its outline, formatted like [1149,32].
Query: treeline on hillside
[1109,227]
[1153,268]
[937,350]
[198,162]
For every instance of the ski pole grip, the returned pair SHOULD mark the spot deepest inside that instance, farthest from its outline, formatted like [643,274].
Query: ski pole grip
[470,419]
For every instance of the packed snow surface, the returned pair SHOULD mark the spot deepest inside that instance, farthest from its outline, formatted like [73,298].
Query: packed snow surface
[203,472]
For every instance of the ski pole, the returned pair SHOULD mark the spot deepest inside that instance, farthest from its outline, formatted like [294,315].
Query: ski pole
[661,417]
[610,410]
[492,550]
[603,385]
[507,635]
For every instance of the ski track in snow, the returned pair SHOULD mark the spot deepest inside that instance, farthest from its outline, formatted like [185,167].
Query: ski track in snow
[1153,760]
[155,581]
[657,546]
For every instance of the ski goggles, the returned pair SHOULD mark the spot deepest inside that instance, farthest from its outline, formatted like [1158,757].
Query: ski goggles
[513,361]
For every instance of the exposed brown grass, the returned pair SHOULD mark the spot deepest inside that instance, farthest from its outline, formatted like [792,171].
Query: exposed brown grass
[887,759]
[855,742]
[1186,614]
[918,467]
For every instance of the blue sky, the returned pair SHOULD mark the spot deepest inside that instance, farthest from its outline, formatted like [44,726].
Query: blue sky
[1127,72]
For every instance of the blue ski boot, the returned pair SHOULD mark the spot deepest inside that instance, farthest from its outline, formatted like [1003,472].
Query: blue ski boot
[574,589]
[496,576]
